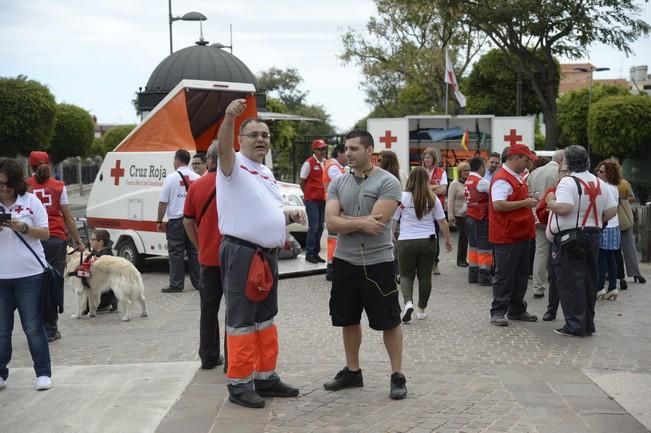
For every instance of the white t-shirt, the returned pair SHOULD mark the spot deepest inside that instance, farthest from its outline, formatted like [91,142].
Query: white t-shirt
[305,168]
[483,185]
[250,205]
[614,221]
[16,261]
[501,189]
[173,192]
[444,176]
[410,226]
[567,192]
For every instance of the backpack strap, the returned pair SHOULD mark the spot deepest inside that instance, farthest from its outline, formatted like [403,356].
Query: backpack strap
[185,182]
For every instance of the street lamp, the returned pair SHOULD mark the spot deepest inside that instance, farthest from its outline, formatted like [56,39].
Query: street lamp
[190,16]
[591,69]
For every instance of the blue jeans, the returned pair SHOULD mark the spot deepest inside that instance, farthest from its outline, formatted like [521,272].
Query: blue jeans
[23,294]
[316,218]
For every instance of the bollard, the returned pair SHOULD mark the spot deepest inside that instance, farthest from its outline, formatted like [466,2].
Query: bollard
[645,233]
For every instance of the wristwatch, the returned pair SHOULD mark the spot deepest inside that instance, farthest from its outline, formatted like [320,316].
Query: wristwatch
[24,229]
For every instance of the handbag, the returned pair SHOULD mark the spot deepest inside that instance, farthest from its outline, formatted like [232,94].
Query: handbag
[52,284]
[573,240]
[624,215]
[260,279]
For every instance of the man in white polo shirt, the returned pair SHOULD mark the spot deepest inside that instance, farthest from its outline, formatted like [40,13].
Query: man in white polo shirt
[252,221]
[171,202]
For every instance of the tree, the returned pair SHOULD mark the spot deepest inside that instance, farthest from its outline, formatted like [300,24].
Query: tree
[491,87]
[572,117]
[27,111]
[284,83]
[74,131]
[114,136]
[621,126]
[564,29]
[402,55]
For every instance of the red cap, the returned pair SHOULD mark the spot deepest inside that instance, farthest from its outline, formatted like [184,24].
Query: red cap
[36,158]
[522,149]
[319,144]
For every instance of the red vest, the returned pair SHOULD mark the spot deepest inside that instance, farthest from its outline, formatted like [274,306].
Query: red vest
[477,201]
[314,189]
[437,175]
[49,193]
[513,226]
[326,177]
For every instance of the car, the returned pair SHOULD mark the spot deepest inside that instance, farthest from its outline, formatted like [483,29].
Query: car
[293,201]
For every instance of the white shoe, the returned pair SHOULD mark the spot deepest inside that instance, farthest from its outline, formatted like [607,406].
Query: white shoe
[420,314]
[43,383]
[601,294]
[3,383]
[406,315]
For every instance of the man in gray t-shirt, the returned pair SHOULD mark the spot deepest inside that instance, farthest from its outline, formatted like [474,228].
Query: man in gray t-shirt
[359,209]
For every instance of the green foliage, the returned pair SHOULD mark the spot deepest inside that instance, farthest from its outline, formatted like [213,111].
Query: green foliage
[282,139]
[573,112]
[491,87]
[27,110]
[284,85]
[402,55]
[74,131]
[621,126]
[524,28]
[114,136]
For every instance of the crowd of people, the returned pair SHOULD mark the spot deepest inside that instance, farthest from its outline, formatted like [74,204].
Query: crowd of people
[518,217]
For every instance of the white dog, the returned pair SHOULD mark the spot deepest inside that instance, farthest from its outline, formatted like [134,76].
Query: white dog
[106,272]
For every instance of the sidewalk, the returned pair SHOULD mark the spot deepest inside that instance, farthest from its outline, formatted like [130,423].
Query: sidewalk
[463,374]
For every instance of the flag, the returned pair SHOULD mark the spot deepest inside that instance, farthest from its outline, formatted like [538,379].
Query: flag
[465,139]
[451,79]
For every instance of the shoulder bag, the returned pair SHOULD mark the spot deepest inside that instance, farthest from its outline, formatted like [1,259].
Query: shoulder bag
[573,240]
[52,284]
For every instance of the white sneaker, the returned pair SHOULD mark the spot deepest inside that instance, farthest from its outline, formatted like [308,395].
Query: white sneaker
[3,383]
[420,314]
[43,383]
[409,308]
[601,294]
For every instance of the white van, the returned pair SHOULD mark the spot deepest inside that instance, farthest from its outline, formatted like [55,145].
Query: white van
[124,197]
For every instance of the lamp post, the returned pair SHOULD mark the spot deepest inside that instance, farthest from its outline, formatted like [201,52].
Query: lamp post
[190,16]
[591,69]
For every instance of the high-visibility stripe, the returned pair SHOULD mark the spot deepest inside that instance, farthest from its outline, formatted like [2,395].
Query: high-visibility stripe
[264,375]
[485,260]
[264,325]
[267,349]
[242,381]
[241,355]
[243,330]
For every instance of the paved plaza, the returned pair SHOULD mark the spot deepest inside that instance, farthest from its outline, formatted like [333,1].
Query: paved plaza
[463,374]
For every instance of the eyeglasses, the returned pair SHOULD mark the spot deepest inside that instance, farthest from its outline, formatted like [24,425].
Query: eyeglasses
[255,135]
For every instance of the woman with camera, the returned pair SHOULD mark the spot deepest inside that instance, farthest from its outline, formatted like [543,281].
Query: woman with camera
[21,274]
[578,209]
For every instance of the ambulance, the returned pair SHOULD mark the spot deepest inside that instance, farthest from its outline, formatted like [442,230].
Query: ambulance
[409,136]
[124,197]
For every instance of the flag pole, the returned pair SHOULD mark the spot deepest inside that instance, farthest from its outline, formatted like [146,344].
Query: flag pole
[447,86]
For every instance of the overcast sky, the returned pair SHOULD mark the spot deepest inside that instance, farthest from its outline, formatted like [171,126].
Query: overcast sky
[96,54]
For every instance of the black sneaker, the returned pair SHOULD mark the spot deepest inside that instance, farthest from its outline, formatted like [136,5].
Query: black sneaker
[523,317]
[54,337]
[247,399]
[278,389]
[320,259]
[398,386]
[311,259]
[345,379]
[209,364]
[171,289]
[564,332]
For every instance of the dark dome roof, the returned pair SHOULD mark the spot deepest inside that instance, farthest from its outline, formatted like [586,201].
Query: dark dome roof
[198,62]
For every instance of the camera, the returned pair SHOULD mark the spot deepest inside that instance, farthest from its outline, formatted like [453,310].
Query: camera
[5,217]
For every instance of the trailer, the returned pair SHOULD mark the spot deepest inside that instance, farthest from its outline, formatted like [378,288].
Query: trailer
[409,136]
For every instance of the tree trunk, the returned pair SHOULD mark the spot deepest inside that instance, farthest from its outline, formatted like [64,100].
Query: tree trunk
[551,132]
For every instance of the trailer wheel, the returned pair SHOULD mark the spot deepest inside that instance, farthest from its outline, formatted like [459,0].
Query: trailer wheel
[127,250]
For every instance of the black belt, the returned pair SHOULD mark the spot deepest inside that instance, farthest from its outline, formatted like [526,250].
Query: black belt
[251,245]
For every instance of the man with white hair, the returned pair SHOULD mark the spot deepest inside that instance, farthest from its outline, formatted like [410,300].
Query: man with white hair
[539,181]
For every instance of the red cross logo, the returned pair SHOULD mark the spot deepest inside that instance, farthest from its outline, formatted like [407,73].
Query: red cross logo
[117,172]
[387,139]
[18,209]
[512,138]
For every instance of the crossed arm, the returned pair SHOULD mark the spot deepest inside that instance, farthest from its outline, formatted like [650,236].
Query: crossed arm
[372,224]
